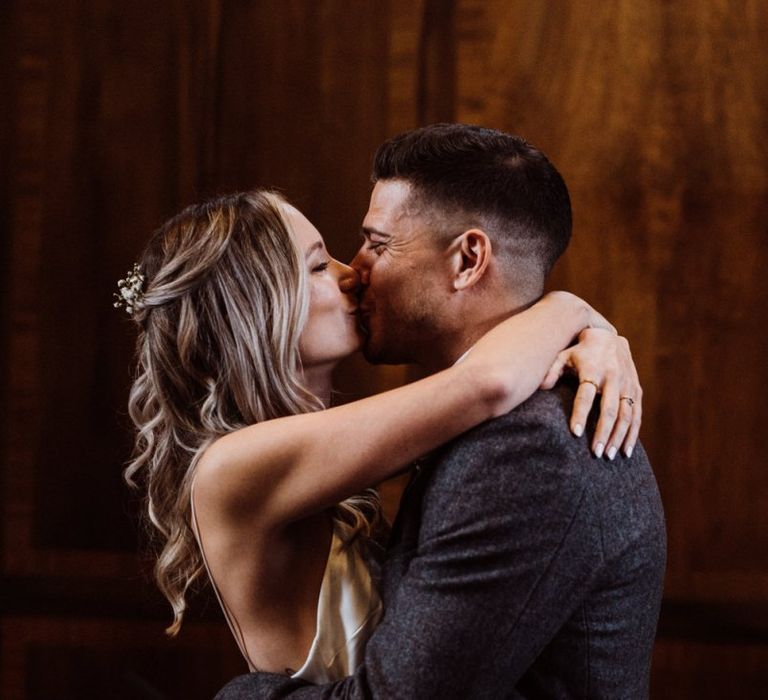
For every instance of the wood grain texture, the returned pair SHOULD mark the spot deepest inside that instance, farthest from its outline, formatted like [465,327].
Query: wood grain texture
[118,114]
[686,669]
[654,112]
[121,115]
[124,660]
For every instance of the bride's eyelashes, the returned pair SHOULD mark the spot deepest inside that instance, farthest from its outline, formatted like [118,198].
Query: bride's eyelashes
[321,267]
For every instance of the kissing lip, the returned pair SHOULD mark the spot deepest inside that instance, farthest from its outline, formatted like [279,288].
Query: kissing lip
[363,319]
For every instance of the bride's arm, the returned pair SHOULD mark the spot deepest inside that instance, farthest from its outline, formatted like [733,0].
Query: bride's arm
[281,470]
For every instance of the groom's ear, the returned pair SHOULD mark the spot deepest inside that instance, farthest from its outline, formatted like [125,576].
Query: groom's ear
[470,255]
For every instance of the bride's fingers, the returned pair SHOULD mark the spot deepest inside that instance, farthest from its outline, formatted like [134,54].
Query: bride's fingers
[634,392]
[555,371]
[634,429]
[582,405]
[621,429]
[609,411]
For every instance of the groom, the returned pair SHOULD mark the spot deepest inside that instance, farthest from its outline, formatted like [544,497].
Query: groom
[519,566]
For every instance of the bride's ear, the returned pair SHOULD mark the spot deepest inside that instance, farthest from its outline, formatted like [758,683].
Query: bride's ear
[470,255]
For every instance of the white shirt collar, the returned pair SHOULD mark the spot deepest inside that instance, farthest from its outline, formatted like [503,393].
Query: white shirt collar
[461,359]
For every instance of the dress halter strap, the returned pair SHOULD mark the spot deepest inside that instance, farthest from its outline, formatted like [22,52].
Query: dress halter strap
[234,627]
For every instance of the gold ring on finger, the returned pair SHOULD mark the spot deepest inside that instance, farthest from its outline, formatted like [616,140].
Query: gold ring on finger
[590,381]
[628,399]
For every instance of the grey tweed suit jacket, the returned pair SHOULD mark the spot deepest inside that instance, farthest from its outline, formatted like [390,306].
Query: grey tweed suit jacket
[520,567]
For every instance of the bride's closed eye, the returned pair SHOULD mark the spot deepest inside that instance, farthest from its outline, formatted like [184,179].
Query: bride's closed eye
[321,267]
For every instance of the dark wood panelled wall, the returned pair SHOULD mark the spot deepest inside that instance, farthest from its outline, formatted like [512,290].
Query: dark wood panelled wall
[116,114]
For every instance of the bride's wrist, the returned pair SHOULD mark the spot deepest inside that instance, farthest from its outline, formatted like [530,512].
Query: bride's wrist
[572,310]
[598,321]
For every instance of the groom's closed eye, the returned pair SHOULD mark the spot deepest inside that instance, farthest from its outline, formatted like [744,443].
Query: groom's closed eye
[374,240]
[376,246]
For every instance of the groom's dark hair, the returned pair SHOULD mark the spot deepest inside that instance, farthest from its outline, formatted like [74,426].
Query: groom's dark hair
[470,175]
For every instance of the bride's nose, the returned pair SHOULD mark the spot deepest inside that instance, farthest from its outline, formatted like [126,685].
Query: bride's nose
[349,280]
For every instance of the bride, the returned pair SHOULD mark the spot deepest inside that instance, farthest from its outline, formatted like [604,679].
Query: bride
[251,478]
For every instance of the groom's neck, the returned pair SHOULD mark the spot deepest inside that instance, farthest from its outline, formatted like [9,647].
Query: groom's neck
[457,342]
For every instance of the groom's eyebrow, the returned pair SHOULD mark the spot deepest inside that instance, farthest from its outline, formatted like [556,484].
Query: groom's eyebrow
[367,231]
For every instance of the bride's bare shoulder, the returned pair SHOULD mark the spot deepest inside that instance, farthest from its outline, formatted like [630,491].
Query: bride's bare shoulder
[226,486]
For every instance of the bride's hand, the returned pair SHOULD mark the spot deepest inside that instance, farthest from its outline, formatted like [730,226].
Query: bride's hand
[603,362]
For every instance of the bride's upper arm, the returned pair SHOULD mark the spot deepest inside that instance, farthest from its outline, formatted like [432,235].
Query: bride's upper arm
[240,475]
[282,470]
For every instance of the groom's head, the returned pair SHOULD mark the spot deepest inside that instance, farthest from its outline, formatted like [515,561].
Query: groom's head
[463,226]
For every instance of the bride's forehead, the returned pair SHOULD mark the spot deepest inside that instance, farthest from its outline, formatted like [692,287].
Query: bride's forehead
[304,233]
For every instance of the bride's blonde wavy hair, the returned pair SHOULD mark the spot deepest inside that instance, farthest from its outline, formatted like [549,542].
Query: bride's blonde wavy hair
[225,301]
